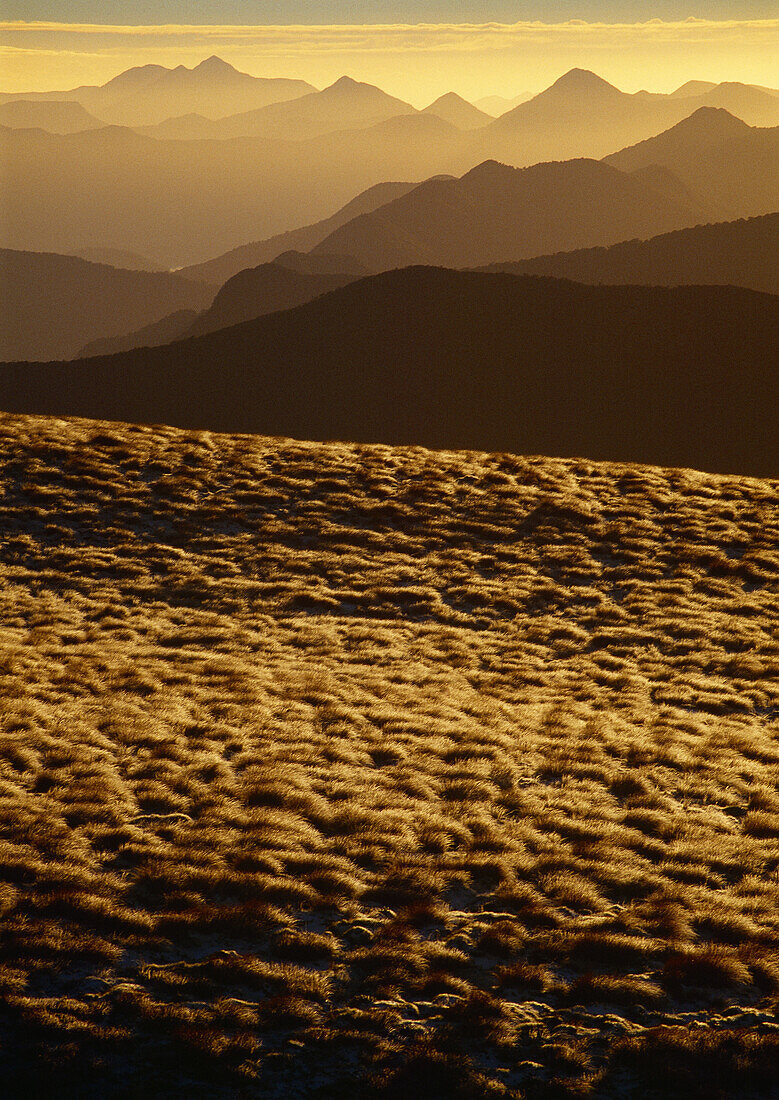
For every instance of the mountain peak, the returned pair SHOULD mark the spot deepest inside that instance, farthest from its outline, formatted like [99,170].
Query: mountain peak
[214,65]
[344,84]
[714,120]
[583,82]
[450,98]
[490,170]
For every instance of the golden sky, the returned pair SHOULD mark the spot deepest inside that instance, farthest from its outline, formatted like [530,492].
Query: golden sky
[417,62]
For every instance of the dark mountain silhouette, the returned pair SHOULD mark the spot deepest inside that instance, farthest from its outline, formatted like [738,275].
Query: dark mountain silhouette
[149,94]
[324,263]
[680,376]
[458,111]
[497,105]
[742,253]
[261,290]
[293,279]
[120,257]
[730,165]
[495,210]
[170,328]
[53,305]
[56,118]
[345,105]
[222,268]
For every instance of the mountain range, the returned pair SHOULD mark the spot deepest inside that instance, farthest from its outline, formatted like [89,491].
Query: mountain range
[345,105]
[149,94]
[63,193]
[583,115]
[679,377]
[495,210]
[53,305]
[731,166]
[252,293]
[741,253]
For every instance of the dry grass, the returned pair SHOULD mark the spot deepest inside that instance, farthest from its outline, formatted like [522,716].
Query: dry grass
[332,770]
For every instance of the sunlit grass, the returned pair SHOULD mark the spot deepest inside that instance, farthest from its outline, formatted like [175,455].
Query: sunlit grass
[330,767]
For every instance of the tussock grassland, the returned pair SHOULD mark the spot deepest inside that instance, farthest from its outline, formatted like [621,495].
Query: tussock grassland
[334,770]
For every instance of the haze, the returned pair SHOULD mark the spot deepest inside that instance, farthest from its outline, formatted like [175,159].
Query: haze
[475,51]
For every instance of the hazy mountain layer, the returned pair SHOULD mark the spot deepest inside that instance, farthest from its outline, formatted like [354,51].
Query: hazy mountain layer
[497,105]
[731,166]
[53,305]
[497,212]
[291,280]
[371,772]
[185,199]
[261,290]
[222,268]
[120,257]
[742,253]
[151,93]
[345,105]
[683,376]
[583,115]
[462,114]
[172,327]
[56,118]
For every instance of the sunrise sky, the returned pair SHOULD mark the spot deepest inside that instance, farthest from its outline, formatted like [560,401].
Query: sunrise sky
[418,50]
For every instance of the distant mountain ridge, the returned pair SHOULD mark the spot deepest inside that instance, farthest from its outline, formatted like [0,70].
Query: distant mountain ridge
[680,377]
[53,305]
[346,104]
[583,115]
[55,118]
[149,94]
[462,114]
[94,189]
[498,210]
[731,166]
[221,268]
[741,253]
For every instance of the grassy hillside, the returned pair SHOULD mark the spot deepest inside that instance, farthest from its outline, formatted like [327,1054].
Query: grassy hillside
[340,770]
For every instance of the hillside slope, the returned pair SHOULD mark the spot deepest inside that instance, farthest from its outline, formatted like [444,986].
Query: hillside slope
[680,376]
[731,166]
[742,253]
[260,290]
[221,268]
[345,105]
[498,212]
[53,305]
[341,771]
[57,118]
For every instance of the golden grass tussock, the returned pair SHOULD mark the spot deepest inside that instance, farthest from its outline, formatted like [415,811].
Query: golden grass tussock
[333,770]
